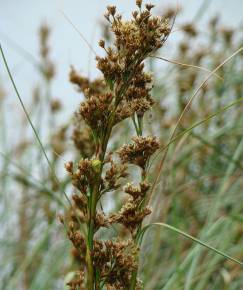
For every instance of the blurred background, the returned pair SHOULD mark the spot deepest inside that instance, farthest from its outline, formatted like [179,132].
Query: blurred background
[200,190]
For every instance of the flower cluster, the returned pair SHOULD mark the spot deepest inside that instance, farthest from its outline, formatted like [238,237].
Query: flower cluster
[123,92]
[134,41]
[96,111]
[82,138]
[139,151]
[84,85]
[115,261]
[47,66]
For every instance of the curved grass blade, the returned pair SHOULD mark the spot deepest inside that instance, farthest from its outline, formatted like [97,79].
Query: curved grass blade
[161,164]
[30,122]
[185,65]
[181,134]
[226,256]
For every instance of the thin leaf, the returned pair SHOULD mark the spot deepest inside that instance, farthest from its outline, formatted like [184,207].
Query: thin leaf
[160,167]
[31,124]
[226,256]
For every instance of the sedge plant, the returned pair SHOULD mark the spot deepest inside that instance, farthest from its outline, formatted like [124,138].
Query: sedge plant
[123,92]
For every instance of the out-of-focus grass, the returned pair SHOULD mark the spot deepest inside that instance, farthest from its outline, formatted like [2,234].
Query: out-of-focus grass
[199,192]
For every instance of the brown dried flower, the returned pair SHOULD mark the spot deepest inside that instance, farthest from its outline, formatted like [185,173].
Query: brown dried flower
[86,86]
[137,192]
[122,253]
[96,110]
[47,66]
[83,138]
[130,215]
[124,91]
[189,29]
[139,151]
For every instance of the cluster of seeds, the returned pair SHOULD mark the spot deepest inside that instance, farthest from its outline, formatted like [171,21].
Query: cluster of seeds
[123,92]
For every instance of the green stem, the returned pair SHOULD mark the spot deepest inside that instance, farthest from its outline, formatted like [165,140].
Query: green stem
[95,192]
[92,213]
[143,177]
[93,205]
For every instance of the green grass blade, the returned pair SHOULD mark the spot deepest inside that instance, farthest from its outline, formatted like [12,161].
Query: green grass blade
[194,240]
[30,122]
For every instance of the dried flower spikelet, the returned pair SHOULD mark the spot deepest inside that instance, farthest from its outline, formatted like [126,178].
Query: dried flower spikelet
[56,105]
[122,253]
[102,43]
[139,3]
[73,219]
[139,151]
[77,79]
[111,10]
[149,6]
[47,67]
[189,29]
[227,34]
[213,23]
[77,239]
[101,221]
[58,142]
[170,12]
[130,215]
[69,167]
[86,86]
[77,282]
[82,137]
[188,78]
[79,259]
[44,33]
[137,98]
[114,175]
[137,192]
[78,216]
[83,176]
[80,201]
[36,94]
[134,40]
[49,71]
[61,219]
[183,48]
[96,110]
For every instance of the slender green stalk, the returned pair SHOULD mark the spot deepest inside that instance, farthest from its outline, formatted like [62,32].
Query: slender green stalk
[226,256]
[93,203]
[161,164]
[30,122]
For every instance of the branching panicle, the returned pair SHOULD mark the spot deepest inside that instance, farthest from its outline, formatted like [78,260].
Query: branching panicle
[123,92]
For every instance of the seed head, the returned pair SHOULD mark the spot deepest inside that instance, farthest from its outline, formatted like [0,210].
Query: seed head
[139,151]
[149,6]
[69,166]
[139,3]
[102,43]
[111,10]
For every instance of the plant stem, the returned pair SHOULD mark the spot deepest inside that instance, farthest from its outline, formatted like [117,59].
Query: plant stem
[143,177]
[93,205]
[95,191]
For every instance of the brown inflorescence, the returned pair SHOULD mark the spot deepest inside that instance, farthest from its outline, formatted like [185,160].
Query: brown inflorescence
[139,151]
[47,66]
[115,261]
[123,92]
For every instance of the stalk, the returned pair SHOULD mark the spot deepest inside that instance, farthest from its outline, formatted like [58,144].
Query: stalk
[93,204]
[139,130]
[124,92]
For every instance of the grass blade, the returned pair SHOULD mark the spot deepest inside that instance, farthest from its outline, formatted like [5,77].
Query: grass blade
[178,231]
[30,122]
